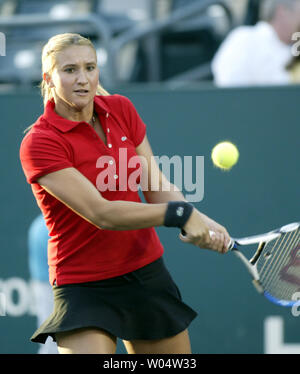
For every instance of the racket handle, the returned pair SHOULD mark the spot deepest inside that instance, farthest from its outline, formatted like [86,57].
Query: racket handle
[231,245]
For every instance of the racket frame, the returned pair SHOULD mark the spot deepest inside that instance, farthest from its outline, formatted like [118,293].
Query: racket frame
[261,240]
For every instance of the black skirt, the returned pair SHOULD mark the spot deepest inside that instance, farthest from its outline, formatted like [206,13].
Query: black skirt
[144,304]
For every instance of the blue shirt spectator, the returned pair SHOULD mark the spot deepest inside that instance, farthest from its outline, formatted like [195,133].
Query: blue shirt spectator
[37,244]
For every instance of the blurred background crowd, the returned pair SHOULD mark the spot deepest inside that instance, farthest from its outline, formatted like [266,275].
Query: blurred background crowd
[175,42]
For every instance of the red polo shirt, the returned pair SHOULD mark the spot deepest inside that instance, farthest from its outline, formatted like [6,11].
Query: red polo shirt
[77,250]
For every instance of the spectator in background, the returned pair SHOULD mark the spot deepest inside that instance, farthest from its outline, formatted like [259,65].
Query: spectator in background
[260,54]
[38,267]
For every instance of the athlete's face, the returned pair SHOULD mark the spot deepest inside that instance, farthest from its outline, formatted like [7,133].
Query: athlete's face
[75,76]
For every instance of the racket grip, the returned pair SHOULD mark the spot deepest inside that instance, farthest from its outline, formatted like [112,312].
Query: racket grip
[231,245]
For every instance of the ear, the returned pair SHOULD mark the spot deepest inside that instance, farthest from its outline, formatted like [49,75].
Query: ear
[48,80]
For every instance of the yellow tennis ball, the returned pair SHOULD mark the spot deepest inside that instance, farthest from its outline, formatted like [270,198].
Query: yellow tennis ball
[225,155]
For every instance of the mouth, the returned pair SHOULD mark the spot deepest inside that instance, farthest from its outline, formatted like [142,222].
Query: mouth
[81,92]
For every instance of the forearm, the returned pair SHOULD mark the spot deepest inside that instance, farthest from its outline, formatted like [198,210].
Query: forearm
[127,215]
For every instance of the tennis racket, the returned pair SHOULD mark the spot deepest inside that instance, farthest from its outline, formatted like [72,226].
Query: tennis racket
[275,265]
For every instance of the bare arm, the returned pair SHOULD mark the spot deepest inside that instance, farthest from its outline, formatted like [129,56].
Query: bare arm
[74,190]
[79,194]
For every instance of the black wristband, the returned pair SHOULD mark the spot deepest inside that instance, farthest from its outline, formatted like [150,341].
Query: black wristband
[178,213]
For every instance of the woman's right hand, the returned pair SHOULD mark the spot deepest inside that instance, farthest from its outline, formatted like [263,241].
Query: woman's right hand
[197,232]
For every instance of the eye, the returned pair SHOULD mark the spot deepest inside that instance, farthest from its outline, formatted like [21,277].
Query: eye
[69,70]
[91,68]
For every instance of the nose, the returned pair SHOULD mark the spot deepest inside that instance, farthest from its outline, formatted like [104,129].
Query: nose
[81,77]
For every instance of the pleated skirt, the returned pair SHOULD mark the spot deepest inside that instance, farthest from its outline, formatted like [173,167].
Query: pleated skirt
[144,304]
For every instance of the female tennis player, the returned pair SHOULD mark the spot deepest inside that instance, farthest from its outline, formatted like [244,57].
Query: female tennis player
[105,258]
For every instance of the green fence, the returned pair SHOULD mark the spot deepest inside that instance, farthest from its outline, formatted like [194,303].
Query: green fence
[260,193]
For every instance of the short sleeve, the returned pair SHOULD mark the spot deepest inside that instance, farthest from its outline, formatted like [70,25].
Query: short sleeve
[135,124]
[41,154]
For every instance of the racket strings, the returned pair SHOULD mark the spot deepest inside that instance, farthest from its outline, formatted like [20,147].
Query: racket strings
[288,280]
[279,266]
[271,275]
[269,249]
[278,252]
[281,256]
[288,265]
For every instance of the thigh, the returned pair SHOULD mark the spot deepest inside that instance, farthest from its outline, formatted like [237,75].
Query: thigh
[178,344]
[86,341]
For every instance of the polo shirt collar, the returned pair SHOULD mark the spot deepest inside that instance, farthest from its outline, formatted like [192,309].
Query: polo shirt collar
[66,125]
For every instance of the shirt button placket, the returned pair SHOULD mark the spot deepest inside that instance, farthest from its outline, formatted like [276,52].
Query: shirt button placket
[108,131]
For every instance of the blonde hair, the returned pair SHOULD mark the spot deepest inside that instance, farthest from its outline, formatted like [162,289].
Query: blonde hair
[55,45]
